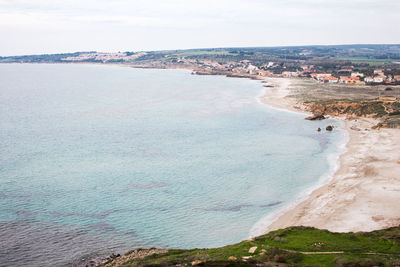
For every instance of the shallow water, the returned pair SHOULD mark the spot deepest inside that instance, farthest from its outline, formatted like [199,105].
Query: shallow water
[101,159]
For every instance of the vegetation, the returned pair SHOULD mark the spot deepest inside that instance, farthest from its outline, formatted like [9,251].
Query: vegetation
[294,246]
[324,57]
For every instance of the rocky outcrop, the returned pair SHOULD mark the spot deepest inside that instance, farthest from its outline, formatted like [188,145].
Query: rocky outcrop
[317,117]
[135,254]
[252,250]
[197,263]
[329,128]
[387,111]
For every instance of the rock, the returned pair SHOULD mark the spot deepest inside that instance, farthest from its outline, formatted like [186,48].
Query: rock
[316,118]
[378,126]
[354,128]
[319,129]
[264,250]
[329,128]
[113,256]
[231,258]
[246,257]
[252,250]
[277,239]
[197,263]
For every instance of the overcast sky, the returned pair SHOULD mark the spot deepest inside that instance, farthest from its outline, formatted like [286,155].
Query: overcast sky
[52,26]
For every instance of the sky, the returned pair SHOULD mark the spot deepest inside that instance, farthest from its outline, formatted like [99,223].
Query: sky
[55,26]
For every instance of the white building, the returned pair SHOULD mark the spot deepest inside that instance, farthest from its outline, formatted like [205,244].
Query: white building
[379,79]
[369,79]
[359,74]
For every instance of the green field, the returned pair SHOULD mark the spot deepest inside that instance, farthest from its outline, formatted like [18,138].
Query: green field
[370,61]
[294,246]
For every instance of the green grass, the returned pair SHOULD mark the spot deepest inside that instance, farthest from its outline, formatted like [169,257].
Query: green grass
[201,52]
[289,246]
[370,61]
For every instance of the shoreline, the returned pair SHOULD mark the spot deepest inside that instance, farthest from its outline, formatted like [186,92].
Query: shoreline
[320,205]
[363,191]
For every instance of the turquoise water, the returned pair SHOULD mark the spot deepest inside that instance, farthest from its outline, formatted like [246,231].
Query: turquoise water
[101,159]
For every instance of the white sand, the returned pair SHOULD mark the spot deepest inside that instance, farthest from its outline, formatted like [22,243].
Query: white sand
[364,194]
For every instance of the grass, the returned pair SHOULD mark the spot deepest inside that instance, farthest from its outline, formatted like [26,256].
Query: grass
[370,61]
[292,246]
[199,53]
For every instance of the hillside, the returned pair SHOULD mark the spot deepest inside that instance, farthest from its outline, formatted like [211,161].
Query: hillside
[294,246]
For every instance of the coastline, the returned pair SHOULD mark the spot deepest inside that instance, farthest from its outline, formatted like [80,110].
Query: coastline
[363,191]
[361,194]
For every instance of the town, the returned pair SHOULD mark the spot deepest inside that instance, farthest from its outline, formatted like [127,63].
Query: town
[340,64]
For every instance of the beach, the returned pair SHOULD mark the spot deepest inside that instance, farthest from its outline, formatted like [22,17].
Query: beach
[363,193]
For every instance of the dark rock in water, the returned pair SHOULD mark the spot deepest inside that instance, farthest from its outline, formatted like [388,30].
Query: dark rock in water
[329,128]
[319,129]
[316,117]
[388,89]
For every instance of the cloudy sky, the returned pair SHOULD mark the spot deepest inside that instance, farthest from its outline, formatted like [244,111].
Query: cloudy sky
[52,26]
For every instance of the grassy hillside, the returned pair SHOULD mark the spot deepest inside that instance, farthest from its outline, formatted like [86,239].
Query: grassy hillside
[294,246]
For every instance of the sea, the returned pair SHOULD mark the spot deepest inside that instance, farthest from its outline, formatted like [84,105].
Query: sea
[101,159]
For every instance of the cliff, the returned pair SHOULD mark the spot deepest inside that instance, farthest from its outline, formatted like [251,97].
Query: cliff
[386,110]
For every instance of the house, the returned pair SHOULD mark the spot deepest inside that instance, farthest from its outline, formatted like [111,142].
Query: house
[323,75]
[350,80]
[343,79]
[396,78]
[369,79]
[270,64]
[290,74]
[330,79]
[252,69]
[359,74]
[379,72]
[379,79]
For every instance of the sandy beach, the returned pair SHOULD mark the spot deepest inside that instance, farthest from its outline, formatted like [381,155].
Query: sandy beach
[364,193]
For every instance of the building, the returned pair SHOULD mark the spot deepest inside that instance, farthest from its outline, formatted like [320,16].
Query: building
[379,79]
[369,79]
[350,80]
[270,64]
[359,74]
[288,74]
[379,72]
[330,79]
